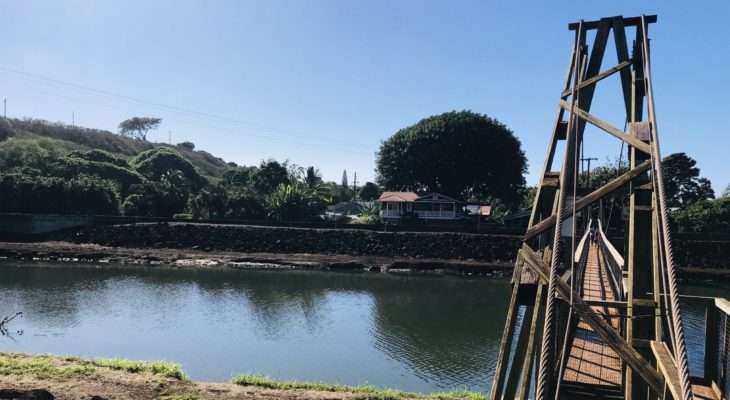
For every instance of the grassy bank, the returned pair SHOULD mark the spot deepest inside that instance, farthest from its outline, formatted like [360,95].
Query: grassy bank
[72,377]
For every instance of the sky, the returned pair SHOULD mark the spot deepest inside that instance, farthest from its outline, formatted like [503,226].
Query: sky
[324,82]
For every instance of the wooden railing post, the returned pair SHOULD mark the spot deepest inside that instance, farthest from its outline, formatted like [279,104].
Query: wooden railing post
[711,342]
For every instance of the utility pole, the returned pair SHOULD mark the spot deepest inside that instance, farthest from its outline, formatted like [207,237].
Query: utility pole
[73,119]
[5,108]
[354,188]
[588,177]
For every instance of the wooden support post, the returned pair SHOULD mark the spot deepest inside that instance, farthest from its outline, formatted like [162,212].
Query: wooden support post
[532,354]
[506,345]
[622,54]
[520,353]
[712,343]
[640,255]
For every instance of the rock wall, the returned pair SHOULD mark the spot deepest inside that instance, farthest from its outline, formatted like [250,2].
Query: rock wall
[252,239]
[689,251]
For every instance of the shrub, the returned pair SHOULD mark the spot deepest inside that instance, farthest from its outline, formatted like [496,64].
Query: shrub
[100,156]
[153,164]
[50,195]
[23,152]
[154,199]
[187,145]
[6,130]
[293,202]
[708,216]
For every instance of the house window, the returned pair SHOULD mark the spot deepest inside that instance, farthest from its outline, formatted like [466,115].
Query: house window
[447,207]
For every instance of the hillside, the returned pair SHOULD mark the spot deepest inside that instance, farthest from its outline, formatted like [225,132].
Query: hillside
[65,139]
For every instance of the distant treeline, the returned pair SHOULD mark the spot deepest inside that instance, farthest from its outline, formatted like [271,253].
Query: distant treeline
[54,168]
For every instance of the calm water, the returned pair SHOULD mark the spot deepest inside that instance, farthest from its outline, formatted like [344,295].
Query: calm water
[416,333]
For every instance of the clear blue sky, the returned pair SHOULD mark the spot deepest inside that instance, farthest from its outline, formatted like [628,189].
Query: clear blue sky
[323,82]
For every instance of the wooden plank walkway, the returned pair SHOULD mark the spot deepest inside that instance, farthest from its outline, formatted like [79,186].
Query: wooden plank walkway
[593,369]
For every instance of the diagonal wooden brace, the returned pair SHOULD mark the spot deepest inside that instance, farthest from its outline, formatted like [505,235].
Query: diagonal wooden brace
[590,198]
[602,75]
[627,353]
[599,123]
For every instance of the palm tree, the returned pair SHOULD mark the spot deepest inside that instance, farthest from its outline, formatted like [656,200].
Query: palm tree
[312,178]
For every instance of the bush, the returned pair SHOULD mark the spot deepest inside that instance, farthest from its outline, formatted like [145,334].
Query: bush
[153,164]
[708,216]
[366,220]
[100,156]
[210,203]
[69,167]
[17,153]
[6,130]
[243,204]
[50,195]
[409,218]
[154,199]
[293,202]
[187,145]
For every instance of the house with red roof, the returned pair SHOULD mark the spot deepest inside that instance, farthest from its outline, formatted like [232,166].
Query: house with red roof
[430,206]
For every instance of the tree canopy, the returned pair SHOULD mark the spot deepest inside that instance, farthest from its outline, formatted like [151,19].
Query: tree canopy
[268,176]
[369,192]
[458,153]
[138,127]
[154,164]
[683,185]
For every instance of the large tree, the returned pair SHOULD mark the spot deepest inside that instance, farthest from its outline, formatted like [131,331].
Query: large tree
[458,153]
[683,185]
[369,192]
[138,127]
[268,176]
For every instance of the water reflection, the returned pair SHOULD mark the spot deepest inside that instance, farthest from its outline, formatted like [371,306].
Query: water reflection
[412,332]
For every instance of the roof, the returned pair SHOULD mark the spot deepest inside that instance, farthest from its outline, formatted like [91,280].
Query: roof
[349,207]
[412,196]
[478,209]
[398,196]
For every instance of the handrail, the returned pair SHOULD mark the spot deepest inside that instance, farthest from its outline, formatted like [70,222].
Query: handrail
[581,244]
[611,250]
[614,261]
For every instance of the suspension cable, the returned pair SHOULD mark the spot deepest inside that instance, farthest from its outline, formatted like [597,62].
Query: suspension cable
[573,277]
[547,354]
[680,352]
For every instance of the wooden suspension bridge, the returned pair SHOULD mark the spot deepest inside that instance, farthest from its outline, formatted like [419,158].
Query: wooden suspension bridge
[587,320]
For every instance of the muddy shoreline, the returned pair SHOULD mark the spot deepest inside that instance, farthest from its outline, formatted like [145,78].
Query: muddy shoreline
[91,253]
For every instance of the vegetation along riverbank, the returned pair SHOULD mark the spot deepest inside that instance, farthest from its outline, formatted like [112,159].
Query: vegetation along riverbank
[69,377]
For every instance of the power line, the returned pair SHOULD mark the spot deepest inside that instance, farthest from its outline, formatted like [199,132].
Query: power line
[342,148]
[169,108]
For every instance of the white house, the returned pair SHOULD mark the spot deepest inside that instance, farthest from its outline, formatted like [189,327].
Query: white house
[430,206]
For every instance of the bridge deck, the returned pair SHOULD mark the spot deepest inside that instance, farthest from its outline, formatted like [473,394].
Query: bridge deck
[593,369]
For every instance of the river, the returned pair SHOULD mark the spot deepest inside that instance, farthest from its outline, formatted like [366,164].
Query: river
[421,333]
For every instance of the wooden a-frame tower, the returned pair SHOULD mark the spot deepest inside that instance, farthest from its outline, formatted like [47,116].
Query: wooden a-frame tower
[547,303]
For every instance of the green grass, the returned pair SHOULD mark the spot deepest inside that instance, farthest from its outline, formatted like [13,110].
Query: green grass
[168,369]
[365,392]
[42,369]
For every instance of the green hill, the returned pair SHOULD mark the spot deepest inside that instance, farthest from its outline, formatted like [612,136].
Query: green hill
[61,139]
